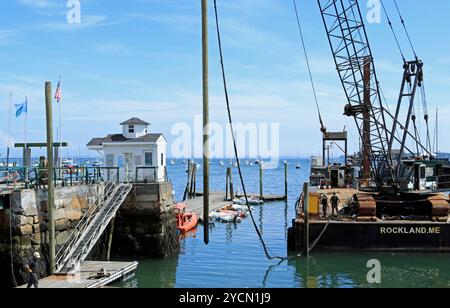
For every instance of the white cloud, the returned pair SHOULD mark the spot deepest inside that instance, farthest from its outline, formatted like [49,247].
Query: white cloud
[38,3]
[111,48]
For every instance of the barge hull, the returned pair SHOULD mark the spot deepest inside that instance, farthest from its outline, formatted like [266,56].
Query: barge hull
[373,236]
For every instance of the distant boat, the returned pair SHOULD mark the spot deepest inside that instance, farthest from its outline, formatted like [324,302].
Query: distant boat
[221,163]
[97,163]
[299,166]
[257,162]
[67,162]
[87,162]
[173,162]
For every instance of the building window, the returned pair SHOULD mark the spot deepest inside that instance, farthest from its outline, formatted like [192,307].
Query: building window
[131,129]
[162,159]
[149,159]
[109,160]
[138,160]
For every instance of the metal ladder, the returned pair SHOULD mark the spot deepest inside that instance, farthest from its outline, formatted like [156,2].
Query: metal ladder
[91,227]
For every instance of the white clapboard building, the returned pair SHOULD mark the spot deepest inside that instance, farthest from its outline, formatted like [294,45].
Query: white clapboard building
[136,148]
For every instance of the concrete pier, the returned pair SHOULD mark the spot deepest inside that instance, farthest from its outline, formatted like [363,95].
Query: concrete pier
[86,278]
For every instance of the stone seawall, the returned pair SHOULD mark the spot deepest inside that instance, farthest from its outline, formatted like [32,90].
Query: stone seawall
[146,224]
[26,211]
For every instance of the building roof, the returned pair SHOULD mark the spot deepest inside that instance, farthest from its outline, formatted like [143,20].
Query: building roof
[135,121]
[119,138]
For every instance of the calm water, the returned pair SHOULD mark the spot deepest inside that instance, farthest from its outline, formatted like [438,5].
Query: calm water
[234,257]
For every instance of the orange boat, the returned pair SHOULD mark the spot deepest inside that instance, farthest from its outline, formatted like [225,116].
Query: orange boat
[185,221]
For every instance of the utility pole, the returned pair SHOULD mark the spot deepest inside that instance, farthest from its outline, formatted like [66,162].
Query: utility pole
[50,179]
[205,121]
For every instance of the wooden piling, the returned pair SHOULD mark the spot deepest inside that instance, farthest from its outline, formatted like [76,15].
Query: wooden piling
[205,65]
[286,180]
[261,187]
[110,239]
[188,183]
[306,220]
[51,184]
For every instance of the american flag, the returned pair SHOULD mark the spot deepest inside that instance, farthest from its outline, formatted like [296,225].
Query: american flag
[58,94]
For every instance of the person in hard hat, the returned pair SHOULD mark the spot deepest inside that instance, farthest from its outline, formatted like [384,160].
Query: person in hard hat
[335,205]
[324,202]
[32,269]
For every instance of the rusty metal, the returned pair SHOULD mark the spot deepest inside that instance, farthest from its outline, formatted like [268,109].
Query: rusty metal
[367,205]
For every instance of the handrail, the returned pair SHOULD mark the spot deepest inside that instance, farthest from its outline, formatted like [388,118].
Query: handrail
[83,223]
[114,199]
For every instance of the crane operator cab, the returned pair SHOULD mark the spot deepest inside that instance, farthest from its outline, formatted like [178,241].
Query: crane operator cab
[420,177]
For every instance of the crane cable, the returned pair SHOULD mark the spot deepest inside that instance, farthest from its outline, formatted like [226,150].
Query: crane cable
[393,31]
[302,39]
[405,28]
[266,250]
[426,115]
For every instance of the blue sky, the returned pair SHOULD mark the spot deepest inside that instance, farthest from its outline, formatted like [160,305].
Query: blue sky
[143,58]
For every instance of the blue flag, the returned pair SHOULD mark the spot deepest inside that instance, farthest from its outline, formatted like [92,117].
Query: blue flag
[21,109]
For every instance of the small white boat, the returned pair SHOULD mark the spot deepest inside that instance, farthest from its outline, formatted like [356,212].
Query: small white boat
[229,217]
[67,162]
[226,217]
[172,162]
[299,166]
[242,208]
[251,201]
[221,163]
[97,163]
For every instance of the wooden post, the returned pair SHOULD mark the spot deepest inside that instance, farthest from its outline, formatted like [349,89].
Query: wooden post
[261,188]
[231,184]
[227,184]
[205,120]
[194,181]
[286,181]
[306,220]
[110,239]
[50,169]
[188,183]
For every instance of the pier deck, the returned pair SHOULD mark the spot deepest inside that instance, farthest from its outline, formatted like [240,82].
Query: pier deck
[216,201]
[115,270]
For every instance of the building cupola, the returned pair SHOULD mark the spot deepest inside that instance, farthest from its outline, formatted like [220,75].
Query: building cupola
[135,128]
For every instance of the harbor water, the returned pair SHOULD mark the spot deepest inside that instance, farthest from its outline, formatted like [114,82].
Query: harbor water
[235,258]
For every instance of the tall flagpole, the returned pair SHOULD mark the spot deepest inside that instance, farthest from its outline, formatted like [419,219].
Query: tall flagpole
[26,137]
[9,135]
[60,124]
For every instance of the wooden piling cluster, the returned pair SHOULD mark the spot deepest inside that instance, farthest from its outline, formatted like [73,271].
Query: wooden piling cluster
[191,186]
[229,189]
[229,194]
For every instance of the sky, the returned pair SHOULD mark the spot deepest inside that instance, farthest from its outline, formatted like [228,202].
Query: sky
[143,58]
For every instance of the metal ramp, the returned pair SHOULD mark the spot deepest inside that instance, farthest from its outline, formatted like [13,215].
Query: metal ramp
[91,227]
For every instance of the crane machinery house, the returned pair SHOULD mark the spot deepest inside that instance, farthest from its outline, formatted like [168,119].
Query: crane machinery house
[139,154]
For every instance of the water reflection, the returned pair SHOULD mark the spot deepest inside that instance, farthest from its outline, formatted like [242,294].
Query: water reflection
[350,270]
